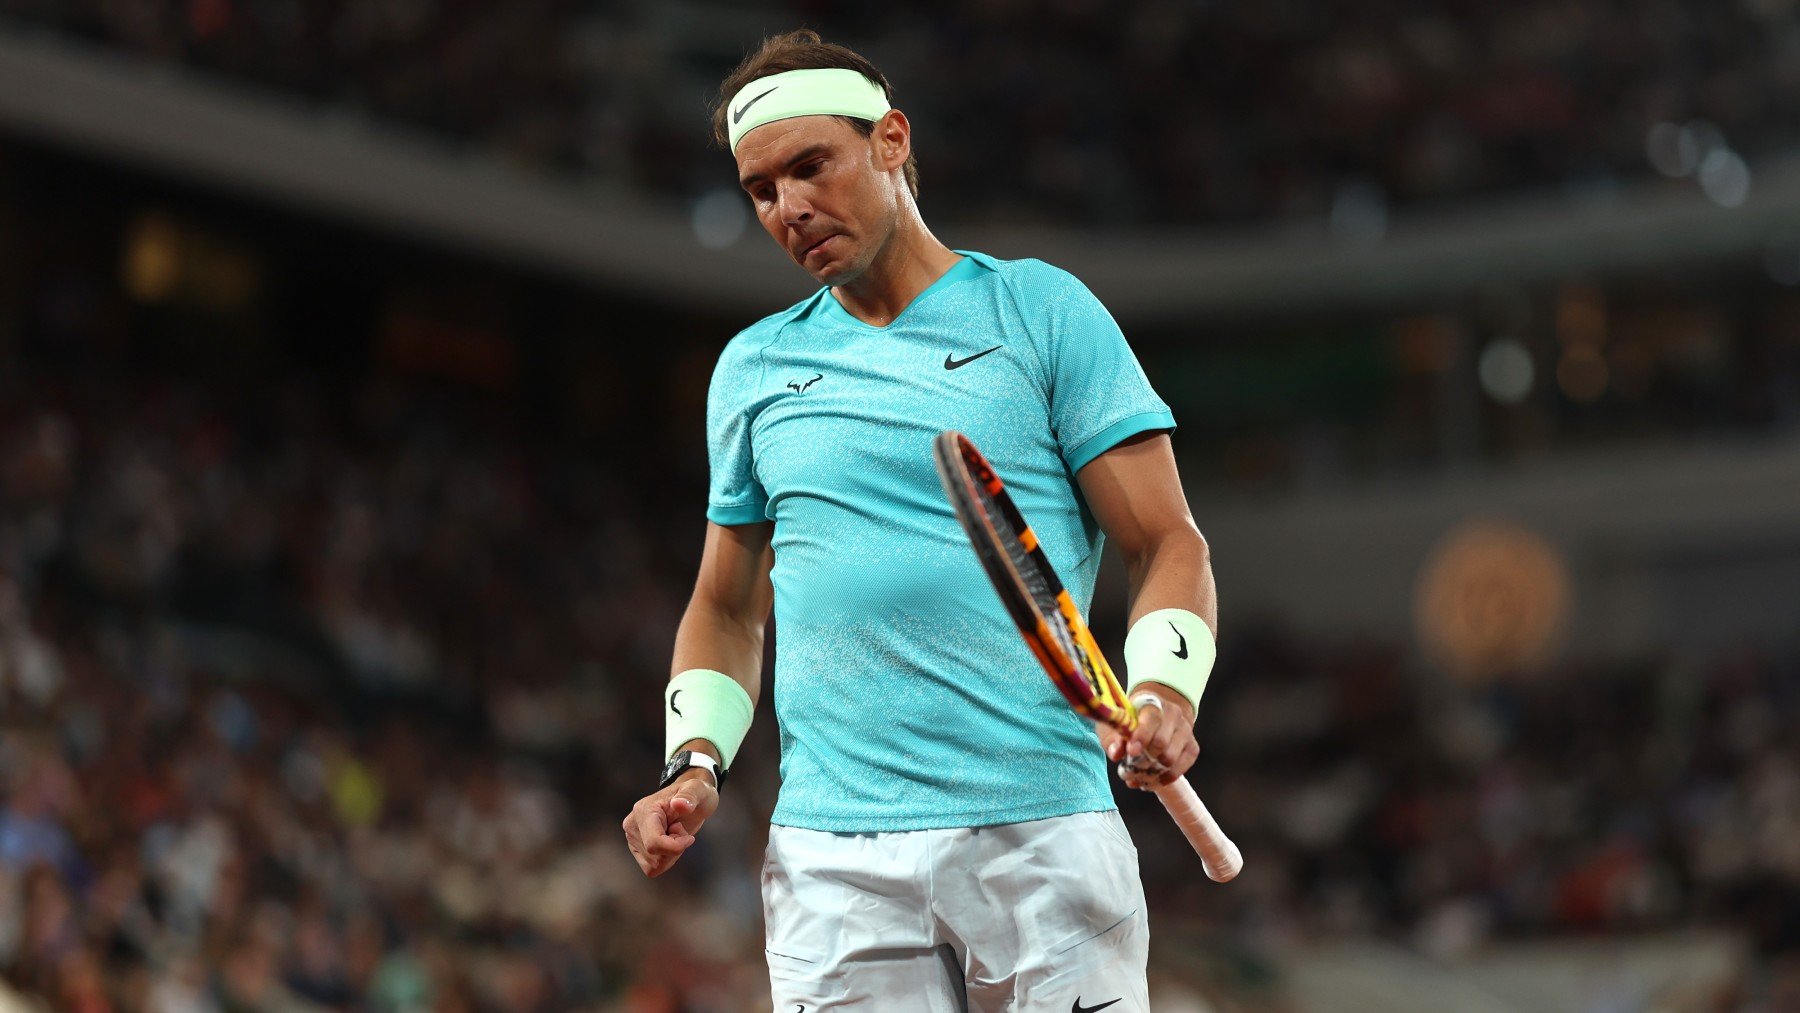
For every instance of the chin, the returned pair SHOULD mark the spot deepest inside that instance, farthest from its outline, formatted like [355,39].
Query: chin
[837,272]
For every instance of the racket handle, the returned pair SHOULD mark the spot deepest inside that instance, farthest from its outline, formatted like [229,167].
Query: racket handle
[1220,856]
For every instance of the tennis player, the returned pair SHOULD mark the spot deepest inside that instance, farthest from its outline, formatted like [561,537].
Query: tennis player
[945,837]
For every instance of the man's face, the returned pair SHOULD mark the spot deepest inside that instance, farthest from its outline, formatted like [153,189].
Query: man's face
[819,189]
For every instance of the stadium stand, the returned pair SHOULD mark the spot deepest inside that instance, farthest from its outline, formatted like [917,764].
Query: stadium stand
[1236,112]
[329,631]
[328,697]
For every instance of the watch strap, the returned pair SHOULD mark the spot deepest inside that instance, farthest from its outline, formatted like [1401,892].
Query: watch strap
[686,760]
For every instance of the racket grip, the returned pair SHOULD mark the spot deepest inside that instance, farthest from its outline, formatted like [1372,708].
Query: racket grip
[1220,856]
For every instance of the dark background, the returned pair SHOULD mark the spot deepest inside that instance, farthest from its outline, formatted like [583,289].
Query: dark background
[340,560]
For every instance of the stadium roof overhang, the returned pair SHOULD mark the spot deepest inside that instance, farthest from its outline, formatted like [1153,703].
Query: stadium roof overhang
[371,174]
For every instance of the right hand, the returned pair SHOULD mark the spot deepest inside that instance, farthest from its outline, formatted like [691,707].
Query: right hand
[661,827]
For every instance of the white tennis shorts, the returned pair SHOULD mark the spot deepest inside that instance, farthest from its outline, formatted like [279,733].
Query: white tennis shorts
[1024,917]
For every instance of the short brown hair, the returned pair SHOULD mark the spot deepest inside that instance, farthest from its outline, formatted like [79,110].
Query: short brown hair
[803,50]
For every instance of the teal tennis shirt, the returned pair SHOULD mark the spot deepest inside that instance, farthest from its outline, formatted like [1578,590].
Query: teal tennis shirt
[906,698]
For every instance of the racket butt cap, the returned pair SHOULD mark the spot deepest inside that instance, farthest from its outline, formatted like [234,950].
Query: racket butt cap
[1226,867]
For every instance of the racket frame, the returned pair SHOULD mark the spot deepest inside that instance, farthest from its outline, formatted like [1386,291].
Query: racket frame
[1082,672]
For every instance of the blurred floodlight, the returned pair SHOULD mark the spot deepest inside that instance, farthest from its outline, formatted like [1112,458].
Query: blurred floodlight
[152,264]
[1781,258]
[1428,344]
[719,218]
[1359,213]
[1580,314]
[1672,150]
[1582,373]
[1506,371]
[1705,137]
[1724,177]
[1492,599]
[164,260]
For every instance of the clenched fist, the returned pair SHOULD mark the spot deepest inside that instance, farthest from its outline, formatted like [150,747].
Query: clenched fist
[661,827]
[1163,746]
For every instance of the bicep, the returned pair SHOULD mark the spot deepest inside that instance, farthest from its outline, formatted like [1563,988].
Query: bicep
[734,571]
[1134,492]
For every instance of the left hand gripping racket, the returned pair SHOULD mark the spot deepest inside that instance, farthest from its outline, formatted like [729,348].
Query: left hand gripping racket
[1054,629]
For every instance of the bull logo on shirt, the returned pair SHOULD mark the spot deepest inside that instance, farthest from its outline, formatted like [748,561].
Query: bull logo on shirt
[800,388]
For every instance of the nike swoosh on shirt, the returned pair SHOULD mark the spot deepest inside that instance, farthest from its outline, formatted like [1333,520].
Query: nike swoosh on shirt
[739,115]
[951,362]
[1079,1008]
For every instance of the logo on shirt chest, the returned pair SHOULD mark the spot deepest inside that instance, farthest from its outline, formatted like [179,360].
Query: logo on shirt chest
[800,386]
[950,362]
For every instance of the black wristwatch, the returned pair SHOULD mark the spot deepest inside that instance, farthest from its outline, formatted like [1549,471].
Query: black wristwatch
[688,758]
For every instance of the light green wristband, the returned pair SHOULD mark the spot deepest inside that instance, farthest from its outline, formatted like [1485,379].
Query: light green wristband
[1173,647]
[704,704]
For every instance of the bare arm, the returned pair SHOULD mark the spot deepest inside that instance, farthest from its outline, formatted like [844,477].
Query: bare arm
[722,630]
[723,626]
[1135,493]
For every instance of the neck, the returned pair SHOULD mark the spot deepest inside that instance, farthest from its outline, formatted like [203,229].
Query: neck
[912,259]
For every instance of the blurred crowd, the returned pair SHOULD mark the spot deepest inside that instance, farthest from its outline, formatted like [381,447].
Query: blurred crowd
[1153,113]
[329,693]
[332,697]
[1591,797]
[296,718]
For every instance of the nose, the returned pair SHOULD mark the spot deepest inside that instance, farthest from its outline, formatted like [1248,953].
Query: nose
[795,209]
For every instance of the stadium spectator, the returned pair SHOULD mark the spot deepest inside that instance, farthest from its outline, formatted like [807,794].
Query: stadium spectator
[333,717]
[1231,112]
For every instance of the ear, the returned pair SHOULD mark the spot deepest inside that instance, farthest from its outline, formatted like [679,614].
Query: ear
[892,138]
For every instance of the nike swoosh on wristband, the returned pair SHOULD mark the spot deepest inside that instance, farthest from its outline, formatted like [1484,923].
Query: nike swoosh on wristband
[1182,654]
[954,363]
[1079,1008]
[672,706]
[741,110]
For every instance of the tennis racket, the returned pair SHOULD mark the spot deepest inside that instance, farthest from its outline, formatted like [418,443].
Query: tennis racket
[1054,629]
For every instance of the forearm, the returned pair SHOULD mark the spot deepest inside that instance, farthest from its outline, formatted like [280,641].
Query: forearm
[1174,571]
[712,638]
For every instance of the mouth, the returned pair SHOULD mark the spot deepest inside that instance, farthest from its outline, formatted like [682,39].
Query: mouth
[816,247]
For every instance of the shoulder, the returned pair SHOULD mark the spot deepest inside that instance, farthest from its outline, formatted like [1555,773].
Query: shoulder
[1045,296]
[745,348]
[759,335]
[1030,276]
[1052,303]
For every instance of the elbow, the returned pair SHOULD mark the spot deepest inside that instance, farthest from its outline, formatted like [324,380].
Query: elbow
[745,618]
[1178,542]
[1189,543]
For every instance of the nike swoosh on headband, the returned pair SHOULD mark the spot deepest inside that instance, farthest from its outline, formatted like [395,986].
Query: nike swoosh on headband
[738,116]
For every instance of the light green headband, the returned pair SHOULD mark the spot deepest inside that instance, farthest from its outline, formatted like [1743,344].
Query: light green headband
[830,92]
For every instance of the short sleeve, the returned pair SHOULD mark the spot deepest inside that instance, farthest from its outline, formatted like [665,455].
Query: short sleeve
[734,496]
[1099,395]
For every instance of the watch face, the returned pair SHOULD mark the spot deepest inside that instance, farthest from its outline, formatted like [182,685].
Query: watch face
[687,759]
[677,763]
